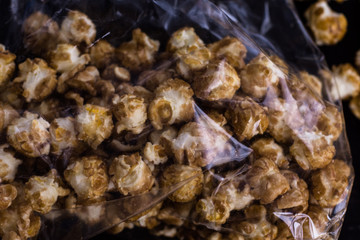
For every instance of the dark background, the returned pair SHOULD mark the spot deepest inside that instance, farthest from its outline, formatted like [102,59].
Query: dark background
[340,53]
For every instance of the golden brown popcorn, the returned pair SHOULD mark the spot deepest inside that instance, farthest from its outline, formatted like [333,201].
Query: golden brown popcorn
[355,106]
[315,224]
[12,95]
[11,236]
[29,135]
[246,117]
[175,213]
[7,65]
[173,103]
[190,60]
[66,57]
[114,72]
[41,33]
[77,27]
[7,115]
[258,75]
[266,147]
[266,181]
[8,164]
[139,53]
[130,111]
[49,108]
[43,191]
[177,173]
[102,54]
[330,122]
[94,124]
[231,49]
[327,26]
[39,80]
[217,117]
[184,38]
[256,226]
[63,135]
[165,138]
[329,184]
[280,63]
[125,88]
[312,150]
[88,177]
[312,81]
[217,81]
[151,79]
[155,153]
[297,197]
[7,194]
[131,175]
[213,209]
[347,82]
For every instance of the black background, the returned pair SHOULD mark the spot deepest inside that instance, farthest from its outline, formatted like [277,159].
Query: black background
[340,53]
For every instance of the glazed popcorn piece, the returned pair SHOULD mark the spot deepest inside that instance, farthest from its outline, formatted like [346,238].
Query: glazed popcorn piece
[63,135]
[329,184]
[131,113]
[327,26]
[355,106]
[7,115]
[246,117]
[11,236]
[258,75]
[39,80]
[330,122]
[41,33]
[312,150]
[7,65]
[314,226]
[184,38]
[29,135]
[125,88]
[256,226]
[77,27]
[266,147]
[231,49]
[297,197]
[312,81]
[66,57]
[213,209]
[8,164]
[151,79]
[94,124]
[173,103]
[175,213]
[266,181]
[131,175]
[102,54]
[218,80]
[177,173]
[347,82]
[139,53]
[165,138]
[7,194]
[155,153]
[88,177]
[115,72]
[43,191]
[49,108]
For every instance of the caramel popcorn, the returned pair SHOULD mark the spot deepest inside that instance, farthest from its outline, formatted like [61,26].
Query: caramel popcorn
[330,122]
[231,49]
[139,53]
[266,181]
[266,147]
[327,26]
[314,226]
[42,191]
[151,79]
[175,174]
[329,184]
[63,135]
[39,80]
[114,72]
[94,124]
[131,175]
[7,65]
[355,106]
[218,80]
[77,28]
[7,115]
[29,135]
[165,138]
[213,209]
[312,150]
[130,111]
[258,75]
[88,177]
[155,153]
[7,194]
[125,88]
[173,103]
[102,54]
[347,82]
[312,81]
[49,108]
[175,213]
[246,117]
[184,38]
[41,33]
[8,164]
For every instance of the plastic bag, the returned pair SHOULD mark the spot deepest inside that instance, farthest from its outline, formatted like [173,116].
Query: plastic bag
[223,135]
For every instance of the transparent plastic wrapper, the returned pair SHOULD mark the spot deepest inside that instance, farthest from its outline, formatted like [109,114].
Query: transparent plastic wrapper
[191,119]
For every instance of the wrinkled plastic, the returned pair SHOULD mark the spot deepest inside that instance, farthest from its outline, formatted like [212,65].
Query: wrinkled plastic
[226,156]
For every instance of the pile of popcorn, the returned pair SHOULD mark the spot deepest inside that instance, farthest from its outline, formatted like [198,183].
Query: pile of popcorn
[122,121]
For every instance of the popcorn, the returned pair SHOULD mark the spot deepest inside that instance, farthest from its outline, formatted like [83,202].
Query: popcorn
[312,81]
[102,54]
[8,164]
[155,153]
[7,65]
[266,147]
[184,38]
[347,82]
[63,135]
[7,115]
[7,194]
[213,210]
